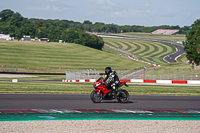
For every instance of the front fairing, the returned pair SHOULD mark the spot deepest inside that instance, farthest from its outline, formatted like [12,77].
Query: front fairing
[98,86]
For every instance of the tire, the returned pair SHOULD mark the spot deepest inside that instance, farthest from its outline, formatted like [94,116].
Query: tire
[95,98]
[123,97]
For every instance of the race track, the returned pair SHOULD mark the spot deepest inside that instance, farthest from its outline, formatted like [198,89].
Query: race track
[173,57]
[77,101]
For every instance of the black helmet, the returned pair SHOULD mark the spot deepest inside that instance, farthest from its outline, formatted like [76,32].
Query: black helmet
[108,70]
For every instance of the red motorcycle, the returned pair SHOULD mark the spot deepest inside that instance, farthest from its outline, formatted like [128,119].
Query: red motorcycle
[101,92]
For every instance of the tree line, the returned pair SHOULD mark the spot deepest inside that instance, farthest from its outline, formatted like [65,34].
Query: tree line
[16,25]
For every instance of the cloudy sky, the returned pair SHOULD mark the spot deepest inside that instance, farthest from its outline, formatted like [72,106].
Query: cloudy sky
[121,12]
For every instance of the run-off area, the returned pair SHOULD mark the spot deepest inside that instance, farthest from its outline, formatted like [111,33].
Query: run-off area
[97,114]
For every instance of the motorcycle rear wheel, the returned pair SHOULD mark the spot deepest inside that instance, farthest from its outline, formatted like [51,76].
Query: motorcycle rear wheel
[95,97]
[123,97]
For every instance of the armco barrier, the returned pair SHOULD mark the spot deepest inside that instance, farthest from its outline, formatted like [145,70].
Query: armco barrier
[145,81]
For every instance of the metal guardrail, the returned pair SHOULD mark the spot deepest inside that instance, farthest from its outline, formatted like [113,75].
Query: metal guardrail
[4,68]
[135,73]
[83,74]
[138,73]
[164,74]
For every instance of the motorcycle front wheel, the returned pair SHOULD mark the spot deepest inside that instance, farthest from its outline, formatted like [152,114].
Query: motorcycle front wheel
[95,97]
[123,96]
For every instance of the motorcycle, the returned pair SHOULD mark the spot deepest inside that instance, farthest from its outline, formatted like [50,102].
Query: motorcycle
[101,92]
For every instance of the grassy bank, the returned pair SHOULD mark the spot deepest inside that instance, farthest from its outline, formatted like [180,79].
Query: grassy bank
[49,57]
[86,88]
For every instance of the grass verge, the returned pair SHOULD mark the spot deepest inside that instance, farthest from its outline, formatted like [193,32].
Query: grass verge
[86,88]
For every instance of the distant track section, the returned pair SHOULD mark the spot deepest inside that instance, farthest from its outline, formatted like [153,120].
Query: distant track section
[171,58]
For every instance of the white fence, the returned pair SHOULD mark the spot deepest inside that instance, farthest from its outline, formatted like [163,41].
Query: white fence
[83,74]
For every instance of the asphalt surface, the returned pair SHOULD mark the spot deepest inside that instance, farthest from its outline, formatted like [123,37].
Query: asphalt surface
[173,57]
[78,101]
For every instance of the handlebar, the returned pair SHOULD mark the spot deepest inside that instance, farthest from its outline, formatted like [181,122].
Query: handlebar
[126,85]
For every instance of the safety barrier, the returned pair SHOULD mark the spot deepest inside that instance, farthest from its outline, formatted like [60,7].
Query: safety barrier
[197,82]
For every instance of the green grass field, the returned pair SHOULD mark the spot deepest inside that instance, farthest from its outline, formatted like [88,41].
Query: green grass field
[145,50]
[182,59]
[49,57]
[77,88]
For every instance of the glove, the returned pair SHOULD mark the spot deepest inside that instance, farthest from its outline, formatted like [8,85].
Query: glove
[113,86]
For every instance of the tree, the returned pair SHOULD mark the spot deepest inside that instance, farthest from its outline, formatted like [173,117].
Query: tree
[184,30]
[16,19]
[71,35]
[6,14]
[87,22]
[192,43]
[53,33]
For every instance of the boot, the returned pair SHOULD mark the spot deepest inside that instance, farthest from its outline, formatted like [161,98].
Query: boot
[118,93]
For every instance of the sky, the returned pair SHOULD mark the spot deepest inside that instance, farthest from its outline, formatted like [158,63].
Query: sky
[120,12]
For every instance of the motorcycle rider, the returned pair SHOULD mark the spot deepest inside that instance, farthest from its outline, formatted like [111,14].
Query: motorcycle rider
[113,80]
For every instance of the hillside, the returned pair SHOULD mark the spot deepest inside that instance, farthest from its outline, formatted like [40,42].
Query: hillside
[46,56]
[144,50]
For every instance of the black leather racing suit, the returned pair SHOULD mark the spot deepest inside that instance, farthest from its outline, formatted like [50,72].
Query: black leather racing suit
[113,81]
